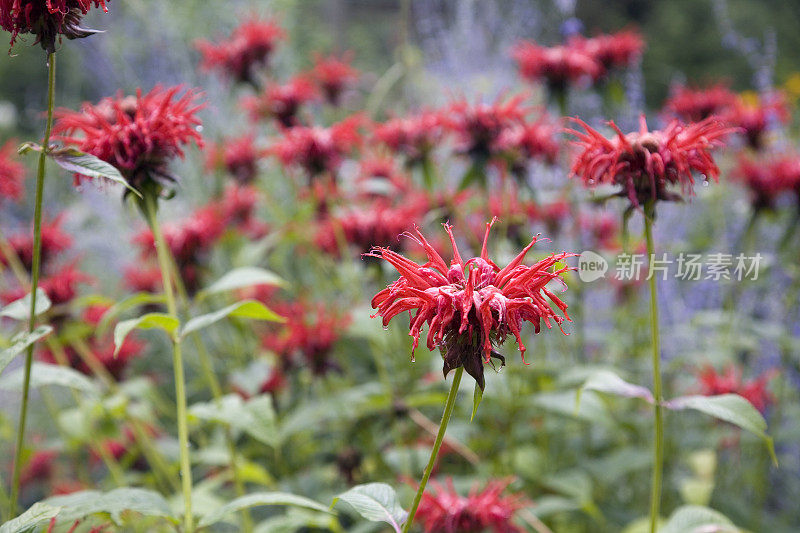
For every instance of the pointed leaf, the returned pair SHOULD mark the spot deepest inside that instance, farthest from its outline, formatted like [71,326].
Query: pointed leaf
[260,499]
[131,302]
[477,396]
[242,277]
[608,382]
[698,519]
[149,321]
[20,309]
[730,408]
[88,165]
[256,416]
[376,502]
[85,503]
[45,374]
[20,342]
[37,516]
[245,309]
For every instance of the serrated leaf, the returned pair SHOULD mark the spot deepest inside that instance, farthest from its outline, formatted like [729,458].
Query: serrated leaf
[260,499]
[246,309]
[20,342]
[81,504]
[20,309]
[477,395]
[160,321]
[239,278]
[131,302]
[608,382]
[45,374]
[730,408]
[37,516]
[697,519]
[88,165]
[377,502]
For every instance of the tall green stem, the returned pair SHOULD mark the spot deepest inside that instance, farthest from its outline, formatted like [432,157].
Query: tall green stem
[448,410]
[658,438]
[37,256]
[177,362]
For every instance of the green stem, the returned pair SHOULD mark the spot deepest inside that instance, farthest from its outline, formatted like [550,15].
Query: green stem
[658,440]
[37,256]
[448,410]
[177,362]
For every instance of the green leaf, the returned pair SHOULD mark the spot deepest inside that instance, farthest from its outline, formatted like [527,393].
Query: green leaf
[260,499]
[245,309]
[37,516]
[20,342]
[610,383]
[242,277]
[730,408]
[79,505]
[477,395]
[131,302]
[29,146]
[20,309]
[697,519]
[376,502]
[45,374]
[160,321]
[256,416]
[88,165]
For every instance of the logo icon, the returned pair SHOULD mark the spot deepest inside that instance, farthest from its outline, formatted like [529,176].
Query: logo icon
[591,266]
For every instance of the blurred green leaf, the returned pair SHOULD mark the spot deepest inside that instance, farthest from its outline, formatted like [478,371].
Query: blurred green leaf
[88,165]
[239,278]
[246,309]
[608,382]
[376,502]
[477,395]
[696,519]
[20,342]
[149,321]
[20,309]
[256,500]
[131,302]
[85,503]
[256,416]
[45,374]
[37,516]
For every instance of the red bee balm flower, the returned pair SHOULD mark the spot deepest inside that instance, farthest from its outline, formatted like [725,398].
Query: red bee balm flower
[731,382]
[479,128]
[756,115]
[644,163]
[333,76]
[281,102]
[558,66]
[12,173]
[414,136]
[47,19]
[693,105]
[443,510]
[767,179]
[239,157]
[138,135]
[471,305]
[614,50]
[249,47]
[54,241]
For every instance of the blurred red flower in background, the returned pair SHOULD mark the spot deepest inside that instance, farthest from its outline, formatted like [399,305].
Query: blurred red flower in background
[443,510]
[54,241]
[281,102]
[613,50]
[249,47]
[756,114]
[472,305]
[334,75]
[694,105]
[557,66]
[413,137]
[755,390]
[12,173]
[47,19]
[644,163]
[768,178]
[479,128]
[239,156]
[138,135]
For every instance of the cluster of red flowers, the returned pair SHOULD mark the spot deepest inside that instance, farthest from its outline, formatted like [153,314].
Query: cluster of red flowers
[444,510]
[249,48]
[12,173]
[755,390]
[47,20]
[769,178]
[579,61]
[645,163]
[472,305]
[307,338]
[137,135]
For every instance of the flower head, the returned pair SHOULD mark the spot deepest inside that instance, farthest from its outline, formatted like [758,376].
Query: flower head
[479,128]
[470,306]
[318,150]
[557,66]
[756,115]
[61,287]
[768,179]
[414,136]
[238,156]
[138,135]
[645,163]
[12,173]
[48,20]
[694,105]
[281,102]
[612,50]
[54,241]
[530,141]
[713,383]
[249,47]
[333,75]
[443,510]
